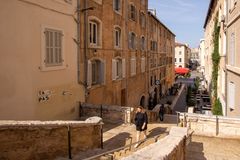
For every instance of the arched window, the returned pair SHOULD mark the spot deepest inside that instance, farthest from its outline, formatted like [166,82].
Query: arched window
[95,32]
[143,43]
[117,37]
[132,40]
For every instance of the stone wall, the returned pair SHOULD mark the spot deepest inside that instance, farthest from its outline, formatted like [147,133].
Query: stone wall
[212,125]
[169,148]
[109,113]
[47,140]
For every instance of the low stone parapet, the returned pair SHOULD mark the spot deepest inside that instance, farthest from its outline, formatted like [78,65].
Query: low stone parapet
[211,125]
[108,113]
[170,147]
[48,139]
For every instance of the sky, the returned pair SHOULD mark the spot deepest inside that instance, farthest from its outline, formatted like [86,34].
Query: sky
[185,18]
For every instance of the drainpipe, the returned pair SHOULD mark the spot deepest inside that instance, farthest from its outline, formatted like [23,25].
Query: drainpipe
[85,49]
[78,42]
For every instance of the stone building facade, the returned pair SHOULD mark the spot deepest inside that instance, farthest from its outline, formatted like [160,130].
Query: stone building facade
[122,50]
[216,12]
[161,42]
[182,55]
[233,58]
[227,14]
[38,60]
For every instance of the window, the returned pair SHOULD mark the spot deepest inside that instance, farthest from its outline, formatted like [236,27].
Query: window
[232,49]
[143,2]
[153,46]
[180,52]
[117,38]
[118,68]
[175,59]
[132,12]
[95,72]
[132,40]
[53,47]
[180,59]
[142,20]
[95,33]
[133,66]
[117,5]
[143,43]
[231,95]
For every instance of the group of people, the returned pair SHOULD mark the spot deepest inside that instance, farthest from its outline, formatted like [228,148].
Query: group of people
[141,121]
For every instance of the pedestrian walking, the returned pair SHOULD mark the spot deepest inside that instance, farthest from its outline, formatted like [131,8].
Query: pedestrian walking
[161,112]
[141,121]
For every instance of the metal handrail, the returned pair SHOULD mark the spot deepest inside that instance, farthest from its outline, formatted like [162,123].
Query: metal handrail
[121,148]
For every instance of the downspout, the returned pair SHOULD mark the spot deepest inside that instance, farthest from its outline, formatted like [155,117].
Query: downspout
[126,53]
[78,42]
[85,49]
[226,60]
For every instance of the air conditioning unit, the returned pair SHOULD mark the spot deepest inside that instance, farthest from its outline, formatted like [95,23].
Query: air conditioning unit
[222,18]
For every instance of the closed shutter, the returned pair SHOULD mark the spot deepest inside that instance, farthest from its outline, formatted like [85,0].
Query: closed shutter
[143,64]
[130,40]
[114,69]
[231,95]
[232,49]
[135,42]
[129,11]
[134,66]
[123,68]
[102,72]
[89,74]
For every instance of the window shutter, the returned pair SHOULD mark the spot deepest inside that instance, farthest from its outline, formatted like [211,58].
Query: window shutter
[129,11]
[129,40]
[102,72]
[231,95]
[114,69]
[89,76]
[123,68]
[136,42]
[143,64]
[134,66]
[136,14]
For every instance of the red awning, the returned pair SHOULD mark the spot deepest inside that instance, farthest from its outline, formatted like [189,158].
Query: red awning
[180,70]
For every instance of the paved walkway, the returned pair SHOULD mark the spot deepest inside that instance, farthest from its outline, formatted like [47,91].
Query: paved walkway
[206,148]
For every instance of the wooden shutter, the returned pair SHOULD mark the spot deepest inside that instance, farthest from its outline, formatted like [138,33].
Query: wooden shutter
[134,66]
[143,64]
[114,69]
[123,68]
[102,72]
[129,40]
[89,74]
[129,11]
[231,95]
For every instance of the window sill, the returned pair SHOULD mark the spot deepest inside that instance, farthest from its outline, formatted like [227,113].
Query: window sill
[233,69]
[95,46]
[54,68]
[118,12]
[95,86]
[117,48]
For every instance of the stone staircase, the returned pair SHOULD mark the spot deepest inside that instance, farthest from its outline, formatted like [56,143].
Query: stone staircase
[130,150]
